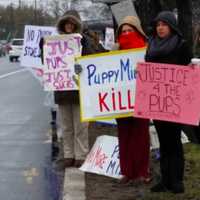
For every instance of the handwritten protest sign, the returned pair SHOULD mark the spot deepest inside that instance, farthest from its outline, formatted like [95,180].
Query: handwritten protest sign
[168,92]
[59,55]
[104,157]
[31,55]
[109,38]
[107,84]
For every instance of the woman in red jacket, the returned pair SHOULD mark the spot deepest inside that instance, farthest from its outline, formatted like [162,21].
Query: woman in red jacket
[133,132]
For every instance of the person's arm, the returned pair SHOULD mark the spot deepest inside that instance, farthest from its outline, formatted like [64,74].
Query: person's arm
[87,46]
[41,45]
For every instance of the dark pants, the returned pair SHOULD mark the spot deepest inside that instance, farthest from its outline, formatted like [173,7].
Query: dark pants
[171,152]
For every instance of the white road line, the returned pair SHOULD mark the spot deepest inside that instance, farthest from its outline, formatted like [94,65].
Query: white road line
[12,73]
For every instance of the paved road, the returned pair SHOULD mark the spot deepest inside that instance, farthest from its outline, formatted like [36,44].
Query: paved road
[25,148]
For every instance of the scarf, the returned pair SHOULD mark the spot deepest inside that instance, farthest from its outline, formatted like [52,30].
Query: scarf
[131,40]
[159,47]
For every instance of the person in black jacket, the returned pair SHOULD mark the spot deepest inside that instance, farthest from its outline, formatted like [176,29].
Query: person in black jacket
[168,46]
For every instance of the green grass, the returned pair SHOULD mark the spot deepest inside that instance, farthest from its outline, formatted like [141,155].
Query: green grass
[191,179]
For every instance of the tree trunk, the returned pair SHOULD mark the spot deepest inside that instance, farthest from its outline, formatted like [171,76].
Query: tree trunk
[185,19]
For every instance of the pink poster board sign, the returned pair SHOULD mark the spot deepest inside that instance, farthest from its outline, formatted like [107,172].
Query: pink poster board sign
[168,92]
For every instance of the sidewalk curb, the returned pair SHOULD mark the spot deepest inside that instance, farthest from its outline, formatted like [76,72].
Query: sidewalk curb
[74,184]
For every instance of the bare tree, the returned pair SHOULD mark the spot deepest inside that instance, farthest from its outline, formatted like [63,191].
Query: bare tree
[58,7]
[185,19]
[55,8]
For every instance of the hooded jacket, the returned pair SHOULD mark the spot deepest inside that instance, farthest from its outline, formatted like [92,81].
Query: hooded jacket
[69,16]
[64,97]
[132,21]
[181,54]
[169,18]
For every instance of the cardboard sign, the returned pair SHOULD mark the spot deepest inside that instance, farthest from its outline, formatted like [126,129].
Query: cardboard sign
[31,55]
[123,9]
[107,84]
[168,92]
[104,157]
[59,60]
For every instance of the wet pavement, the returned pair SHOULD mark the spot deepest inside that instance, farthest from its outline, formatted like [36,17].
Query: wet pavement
[26,171]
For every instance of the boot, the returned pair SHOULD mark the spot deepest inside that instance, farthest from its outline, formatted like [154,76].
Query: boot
[176,174]
[178,188]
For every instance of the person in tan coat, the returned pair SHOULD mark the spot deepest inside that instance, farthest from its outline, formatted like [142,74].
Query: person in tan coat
[75,133]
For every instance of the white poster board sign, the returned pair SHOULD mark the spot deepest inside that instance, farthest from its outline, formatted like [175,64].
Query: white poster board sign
[103,158]
[59,59]
[123,9]
[109,38]
[107,84]
[31,54]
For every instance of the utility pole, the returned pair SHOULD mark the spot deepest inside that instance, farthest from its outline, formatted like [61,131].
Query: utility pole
[20,4]
[12,22]
[35,11]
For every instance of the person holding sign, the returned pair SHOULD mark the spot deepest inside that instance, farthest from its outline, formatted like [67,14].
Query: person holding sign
[133,133]
[167,46]
[75,133]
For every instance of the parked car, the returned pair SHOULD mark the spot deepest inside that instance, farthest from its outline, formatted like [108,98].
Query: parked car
[15,51]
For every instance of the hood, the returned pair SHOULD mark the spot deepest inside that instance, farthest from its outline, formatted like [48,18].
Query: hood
[169,18]
[74,17]
[133,21]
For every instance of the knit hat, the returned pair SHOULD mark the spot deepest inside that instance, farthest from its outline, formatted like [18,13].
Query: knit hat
[132,21]
[169,18]
[70,16]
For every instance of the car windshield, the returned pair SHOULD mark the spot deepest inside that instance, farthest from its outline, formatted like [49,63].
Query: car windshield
[17,42]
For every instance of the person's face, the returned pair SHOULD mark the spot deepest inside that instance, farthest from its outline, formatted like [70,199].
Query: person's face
[69,27]
[127,29]
[163,30]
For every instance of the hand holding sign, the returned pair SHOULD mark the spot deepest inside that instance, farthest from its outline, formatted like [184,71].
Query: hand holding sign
[107,84]
[168,92]
[59,59]
[78,68]
[31,49]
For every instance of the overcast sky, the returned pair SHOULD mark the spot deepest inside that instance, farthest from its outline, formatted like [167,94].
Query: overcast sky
[16,2]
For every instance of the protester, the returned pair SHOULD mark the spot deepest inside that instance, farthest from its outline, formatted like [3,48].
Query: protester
[94,36]
[75,133]
[167,46]
[133,133]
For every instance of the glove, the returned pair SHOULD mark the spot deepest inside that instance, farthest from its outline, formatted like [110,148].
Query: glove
[78,69]
[75,80]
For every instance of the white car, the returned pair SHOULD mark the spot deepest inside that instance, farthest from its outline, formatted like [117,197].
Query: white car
[16,49]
